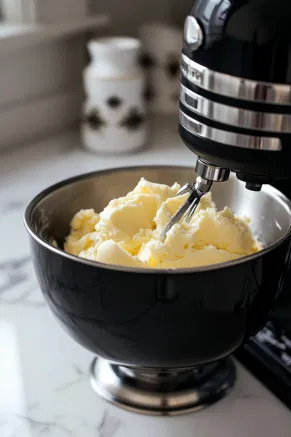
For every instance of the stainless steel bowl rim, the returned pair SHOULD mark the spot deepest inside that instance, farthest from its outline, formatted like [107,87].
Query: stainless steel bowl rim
[144,270]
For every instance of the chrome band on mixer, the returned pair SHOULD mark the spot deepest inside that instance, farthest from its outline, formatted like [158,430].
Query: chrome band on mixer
[228,138]
[233,116]
[233,86]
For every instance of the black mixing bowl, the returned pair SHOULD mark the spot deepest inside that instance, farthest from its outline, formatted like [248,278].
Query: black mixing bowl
[165,319]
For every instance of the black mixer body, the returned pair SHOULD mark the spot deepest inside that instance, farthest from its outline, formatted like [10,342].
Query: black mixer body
[235,97]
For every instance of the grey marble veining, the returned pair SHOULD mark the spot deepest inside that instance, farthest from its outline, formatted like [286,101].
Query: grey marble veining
[13,205]
[18,284]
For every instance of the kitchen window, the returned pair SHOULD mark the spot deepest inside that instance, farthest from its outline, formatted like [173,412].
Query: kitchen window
[26,22]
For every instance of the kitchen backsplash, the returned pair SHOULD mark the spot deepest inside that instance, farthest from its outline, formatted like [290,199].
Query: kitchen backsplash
[41,84]
[128,15]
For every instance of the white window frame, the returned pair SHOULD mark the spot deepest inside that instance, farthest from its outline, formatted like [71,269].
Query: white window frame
[45,11]
[24,23]
[17,11]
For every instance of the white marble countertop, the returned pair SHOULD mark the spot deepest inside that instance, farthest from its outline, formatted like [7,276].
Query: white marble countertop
[44,385]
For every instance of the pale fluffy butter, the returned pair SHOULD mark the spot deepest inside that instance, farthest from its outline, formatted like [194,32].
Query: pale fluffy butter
[82,231]
[112,253]
[138,209]
[127,231]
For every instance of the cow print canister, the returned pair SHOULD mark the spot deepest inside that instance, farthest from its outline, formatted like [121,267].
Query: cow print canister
[114,114]
[160,60]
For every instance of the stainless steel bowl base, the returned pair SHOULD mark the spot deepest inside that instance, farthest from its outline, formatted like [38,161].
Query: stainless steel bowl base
[165,392]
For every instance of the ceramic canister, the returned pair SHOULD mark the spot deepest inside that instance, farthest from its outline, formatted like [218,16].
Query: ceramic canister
[162,45]
[114,118]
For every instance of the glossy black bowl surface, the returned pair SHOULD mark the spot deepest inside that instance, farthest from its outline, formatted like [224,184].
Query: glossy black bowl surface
[158,318]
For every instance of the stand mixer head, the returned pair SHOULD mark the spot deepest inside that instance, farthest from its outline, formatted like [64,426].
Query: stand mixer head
[235,93]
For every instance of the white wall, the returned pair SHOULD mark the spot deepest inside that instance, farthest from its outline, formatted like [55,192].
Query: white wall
[41,85]
[45,68]
[41,89]
[128,15]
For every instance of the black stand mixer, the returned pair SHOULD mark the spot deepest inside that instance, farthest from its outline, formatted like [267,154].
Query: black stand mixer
[162,337]
[235,96]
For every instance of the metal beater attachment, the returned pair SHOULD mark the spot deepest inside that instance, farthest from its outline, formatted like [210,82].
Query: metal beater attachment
[197,190]
[208,174]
